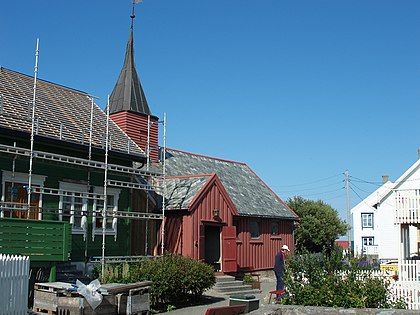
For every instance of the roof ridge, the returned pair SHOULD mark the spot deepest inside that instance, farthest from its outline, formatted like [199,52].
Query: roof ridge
[46,81]
[189,176]
[207,156]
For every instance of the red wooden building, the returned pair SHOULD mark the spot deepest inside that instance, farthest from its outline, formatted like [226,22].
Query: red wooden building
[219,211]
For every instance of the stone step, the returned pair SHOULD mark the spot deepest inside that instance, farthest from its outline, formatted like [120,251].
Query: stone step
[228,284]
[251,291]
[224,278]
[234,289]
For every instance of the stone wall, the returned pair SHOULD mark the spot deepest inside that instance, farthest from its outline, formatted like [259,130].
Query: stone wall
[313,310]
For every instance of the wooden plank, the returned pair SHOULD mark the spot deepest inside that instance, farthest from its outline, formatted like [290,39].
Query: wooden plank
[33,238]
[120,288]
[41,240]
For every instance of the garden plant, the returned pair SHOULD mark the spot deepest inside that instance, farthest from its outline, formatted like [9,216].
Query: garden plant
[177,280]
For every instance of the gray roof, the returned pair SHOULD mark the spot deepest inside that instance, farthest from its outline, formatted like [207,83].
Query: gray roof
[180,192]
[128,94]
[250,195]
[61,113]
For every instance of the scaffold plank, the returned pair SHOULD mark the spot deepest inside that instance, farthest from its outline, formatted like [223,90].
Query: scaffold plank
[122,184]
[77,161]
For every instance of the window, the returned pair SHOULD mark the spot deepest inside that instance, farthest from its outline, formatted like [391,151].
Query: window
[367,241]
[274,229]
[367,220]
[98,206]
[73,206]
[255,229]
[15,192]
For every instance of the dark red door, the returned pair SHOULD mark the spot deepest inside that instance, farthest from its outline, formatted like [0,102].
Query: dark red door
[229,263]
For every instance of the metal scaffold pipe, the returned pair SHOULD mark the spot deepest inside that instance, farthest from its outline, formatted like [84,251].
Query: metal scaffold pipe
[164,185]
[104,210]
[31,156]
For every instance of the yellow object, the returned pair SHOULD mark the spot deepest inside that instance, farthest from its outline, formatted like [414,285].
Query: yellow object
[389,267]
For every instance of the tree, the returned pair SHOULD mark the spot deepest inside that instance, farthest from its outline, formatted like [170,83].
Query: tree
[319,225]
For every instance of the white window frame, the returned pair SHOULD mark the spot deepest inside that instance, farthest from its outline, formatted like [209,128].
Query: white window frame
[365,220]
[82,188]
[110,192]
[21,178]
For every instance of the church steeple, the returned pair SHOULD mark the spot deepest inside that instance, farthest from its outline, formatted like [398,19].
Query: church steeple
[128,94]
[128,105]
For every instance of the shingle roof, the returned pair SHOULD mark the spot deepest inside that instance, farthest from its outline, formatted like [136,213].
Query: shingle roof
[180,192]
[128,94]
[57,108]
[250,195]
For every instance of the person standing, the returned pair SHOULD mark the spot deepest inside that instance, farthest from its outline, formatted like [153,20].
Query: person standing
[279,268]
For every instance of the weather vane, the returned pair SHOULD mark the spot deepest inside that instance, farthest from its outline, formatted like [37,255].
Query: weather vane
[133,13]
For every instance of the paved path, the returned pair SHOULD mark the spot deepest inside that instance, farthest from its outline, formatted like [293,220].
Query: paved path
[213,299]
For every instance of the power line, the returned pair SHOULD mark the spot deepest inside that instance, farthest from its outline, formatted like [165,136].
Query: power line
[332,198]
[362,190]
[363,200]
[357,194]
[380,183]
[312,188]
[310,182]
[324,192]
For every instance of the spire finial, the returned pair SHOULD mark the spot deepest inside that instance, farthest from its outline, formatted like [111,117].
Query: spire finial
[133,13]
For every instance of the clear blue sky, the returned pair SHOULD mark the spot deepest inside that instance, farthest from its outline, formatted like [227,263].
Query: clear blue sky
[299,90]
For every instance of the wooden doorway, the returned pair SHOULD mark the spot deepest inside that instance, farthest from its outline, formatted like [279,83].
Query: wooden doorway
[212,253]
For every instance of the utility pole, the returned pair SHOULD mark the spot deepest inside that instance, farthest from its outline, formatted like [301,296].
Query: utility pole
[347,186]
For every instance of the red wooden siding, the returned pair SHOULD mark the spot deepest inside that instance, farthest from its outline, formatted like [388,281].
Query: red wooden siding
[258,254]
[201,214]
[185,232]
[173,228]
[135,126]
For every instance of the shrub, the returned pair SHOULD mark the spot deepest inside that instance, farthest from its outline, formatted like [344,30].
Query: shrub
[177,280]
[248,279]
[324,280]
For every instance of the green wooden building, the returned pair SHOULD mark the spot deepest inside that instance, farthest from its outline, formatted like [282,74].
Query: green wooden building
[53,210]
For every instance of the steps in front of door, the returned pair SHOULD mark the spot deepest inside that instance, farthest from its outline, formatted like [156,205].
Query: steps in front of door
[227,285]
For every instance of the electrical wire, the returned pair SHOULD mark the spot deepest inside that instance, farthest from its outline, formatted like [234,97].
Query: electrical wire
[324,192]
[363,200]
[310,182]
[312,188]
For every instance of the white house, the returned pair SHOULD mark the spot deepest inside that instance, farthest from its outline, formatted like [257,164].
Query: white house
[376,231]
[371,223]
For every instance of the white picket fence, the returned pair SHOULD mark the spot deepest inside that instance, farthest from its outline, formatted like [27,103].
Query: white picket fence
[407,291]
[362,274]
[14,284]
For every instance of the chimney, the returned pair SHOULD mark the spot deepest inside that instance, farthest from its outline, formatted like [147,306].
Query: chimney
[385,178]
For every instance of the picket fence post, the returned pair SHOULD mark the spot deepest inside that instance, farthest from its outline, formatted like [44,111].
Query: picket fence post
[14,284]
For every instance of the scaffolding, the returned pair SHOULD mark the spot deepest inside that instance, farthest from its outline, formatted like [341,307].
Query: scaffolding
[150,180]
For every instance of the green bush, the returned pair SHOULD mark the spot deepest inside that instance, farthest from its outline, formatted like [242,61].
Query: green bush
[325,280]
[248,279]
[177,280]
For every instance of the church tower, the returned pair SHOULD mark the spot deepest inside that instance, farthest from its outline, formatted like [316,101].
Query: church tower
[128,106]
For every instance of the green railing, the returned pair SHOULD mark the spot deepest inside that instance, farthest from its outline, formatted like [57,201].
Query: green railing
[41,240]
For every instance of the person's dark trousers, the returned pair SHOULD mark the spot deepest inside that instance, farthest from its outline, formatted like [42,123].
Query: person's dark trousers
[280,284]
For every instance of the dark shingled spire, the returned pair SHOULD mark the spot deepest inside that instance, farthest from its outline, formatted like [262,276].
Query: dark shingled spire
[128,94]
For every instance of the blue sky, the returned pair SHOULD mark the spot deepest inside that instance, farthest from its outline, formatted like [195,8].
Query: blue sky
[299,90]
